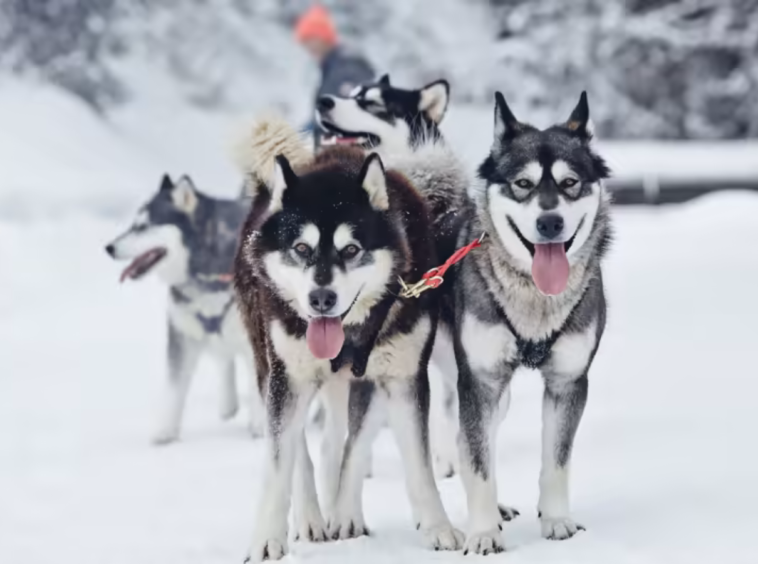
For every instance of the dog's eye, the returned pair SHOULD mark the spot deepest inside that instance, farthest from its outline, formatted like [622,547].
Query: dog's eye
[303,250]
[349,252]
[524,183]
[569,183]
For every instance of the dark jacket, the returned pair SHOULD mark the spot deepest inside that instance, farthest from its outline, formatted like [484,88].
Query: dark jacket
[341,71]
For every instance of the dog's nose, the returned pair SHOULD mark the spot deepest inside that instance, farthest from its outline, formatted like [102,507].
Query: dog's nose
[111,250]
[550,225]
[325,103]
[322,300]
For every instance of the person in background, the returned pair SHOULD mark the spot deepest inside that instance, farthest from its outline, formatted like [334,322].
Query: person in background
[341,70]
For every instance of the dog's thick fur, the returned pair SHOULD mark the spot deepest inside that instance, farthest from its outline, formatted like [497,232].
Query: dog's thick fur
[299,220]
[498,320]
[189,239]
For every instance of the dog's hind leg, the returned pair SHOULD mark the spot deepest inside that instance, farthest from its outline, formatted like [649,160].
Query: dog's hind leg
[364,423]
[183,356]
[228,400]
[286,410]
[443,409]
[408,409]
[309,523]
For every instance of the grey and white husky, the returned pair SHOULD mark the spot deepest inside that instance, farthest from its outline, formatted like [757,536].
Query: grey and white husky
[531,296]
[189,239]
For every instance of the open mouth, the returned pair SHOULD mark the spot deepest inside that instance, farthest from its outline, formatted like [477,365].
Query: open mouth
[530,246]
[550,265]
[325,336]
[143,264]
[333,135]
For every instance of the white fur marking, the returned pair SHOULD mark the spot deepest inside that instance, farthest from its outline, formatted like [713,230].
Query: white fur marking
[375,185]
[278,186]
[571,353]
[343,236]
[310,235]
[486,345]
[433,101]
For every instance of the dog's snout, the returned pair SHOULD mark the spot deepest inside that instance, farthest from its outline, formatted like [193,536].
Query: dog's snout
[325,103]
[550,225]
[111,250]
[322,300]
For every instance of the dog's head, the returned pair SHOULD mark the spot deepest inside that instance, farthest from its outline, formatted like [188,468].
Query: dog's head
[156,240]
[383,117]
[543,191]
[329,246]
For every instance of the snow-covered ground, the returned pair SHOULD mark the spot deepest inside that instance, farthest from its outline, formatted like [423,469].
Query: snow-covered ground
[665,463]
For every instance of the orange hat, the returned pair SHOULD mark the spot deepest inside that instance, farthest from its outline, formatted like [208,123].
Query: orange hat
[316,23]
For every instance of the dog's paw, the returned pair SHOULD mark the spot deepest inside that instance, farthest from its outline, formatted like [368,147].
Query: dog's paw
[347,528]
[311,530]
[444,537]
[164,437]
[559,528]
[227,412]
[274,548]
[488,542]
[507,513]
[256,431]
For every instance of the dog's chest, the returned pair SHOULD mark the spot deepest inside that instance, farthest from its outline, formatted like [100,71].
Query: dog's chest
[210,318]
[397,356]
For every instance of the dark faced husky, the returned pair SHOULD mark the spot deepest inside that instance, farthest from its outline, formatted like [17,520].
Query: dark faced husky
[317,282]
[531,296]
[189,239]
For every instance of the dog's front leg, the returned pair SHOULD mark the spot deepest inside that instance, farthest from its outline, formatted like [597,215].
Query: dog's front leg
[334,394]
[562,407]
[408,410]
[480,414]
[309,522]
[183,356]
[364,423]
[286,409]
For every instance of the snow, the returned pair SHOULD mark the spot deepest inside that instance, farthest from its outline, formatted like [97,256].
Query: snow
[664,467]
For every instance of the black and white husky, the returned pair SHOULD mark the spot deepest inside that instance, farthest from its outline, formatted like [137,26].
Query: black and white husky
[189,239]
[403,127]
[316,277]
[531,296]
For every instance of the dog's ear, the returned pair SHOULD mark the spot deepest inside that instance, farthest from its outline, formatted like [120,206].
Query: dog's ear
[166,183]
[579,121]
[284,177]
[384,82]
[184,195]
[374,182]
[506,124]
[434,99]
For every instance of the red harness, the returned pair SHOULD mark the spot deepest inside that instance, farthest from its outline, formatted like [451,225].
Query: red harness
[434,277]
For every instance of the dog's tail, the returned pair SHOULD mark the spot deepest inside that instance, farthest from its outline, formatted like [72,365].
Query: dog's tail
[256,152]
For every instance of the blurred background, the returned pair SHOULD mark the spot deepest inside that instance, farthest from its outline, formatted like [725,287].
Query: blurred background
[99,98]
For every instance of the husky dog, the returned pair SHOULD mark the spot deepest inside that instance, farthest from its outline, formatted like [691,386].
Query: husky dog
[402,126]
[316,279]
[189,239]
[383,118]
[531,296]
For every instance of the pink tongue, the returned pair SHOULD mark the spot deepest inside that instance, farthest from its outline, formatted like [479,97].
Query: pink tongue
[550,268]
[325,336]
